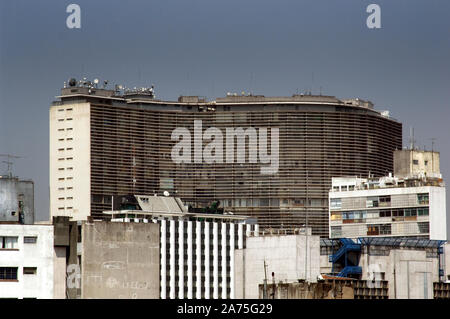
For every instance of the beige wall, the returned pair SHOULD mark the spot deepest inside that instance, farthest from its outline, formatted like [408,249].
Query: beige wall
[70,160]
[120,260]
[404,166]
[59,279]
[283,254]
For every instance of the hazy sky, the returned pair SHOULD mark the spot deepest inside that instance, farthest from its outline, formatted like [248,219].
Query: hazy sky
[210,47]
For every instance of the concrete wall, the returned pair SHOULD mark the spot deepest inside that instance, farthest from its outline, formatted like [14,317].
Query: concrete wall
[70,163]
[39,255]
[120,260]
[338,289]
[438,214]
[404,166]
[409,272]
[26,195]
[447,262]
[59,271]
[8,200]
[285,255]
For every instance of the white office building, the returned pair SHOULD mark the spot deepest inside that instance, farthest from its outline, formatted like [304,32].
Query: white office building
[26,261]
[196,250]
[389,206]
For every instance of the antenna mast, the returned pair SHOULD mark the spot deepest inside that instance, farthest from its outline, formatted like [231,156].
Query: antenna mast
[9,162]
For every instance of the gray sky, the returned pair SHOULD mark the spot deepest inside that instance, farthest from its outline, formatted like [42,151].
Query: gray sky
[210,47]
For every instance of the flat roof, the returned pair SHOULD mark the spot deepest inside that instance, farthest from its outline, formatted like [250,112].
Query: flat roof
[166,214]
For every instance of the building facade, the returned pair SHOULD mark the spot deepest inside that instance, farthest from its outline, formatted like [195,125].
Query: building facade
[26,261]
[196,250]
[289,257]
[112,142]
[389,206]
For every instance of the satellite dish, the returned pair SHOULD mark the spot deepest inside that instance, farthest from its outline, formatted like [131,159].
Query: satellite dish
[72,82]
[96,81]
[166,193]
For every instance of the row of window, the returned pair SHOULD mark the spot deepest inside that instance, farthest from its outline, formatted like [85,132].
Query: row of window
[380,229]
[11,242]
[402,212]
[379,201]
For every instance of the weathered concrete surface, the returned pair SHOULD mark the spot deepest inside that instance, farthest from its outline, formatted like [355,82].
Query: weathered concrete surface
[337,289]
[290,257]
[120,260]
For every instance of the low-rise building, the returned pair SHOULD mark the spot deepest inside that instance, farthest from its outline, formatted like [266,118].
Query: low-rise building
[26,261]
[288,256]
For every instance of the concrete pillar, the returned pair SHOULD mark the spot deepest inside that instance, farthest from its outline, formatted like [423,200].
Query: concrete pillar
[215,261]
[224,260]
[207,263]
[189,259]
[198,262]
[163,260]
[232,277]
[180,259]
[240,236]
[172,259]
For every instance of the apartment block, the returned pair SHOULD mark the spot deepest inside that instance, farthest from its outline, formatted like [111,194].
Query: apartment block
[388,206]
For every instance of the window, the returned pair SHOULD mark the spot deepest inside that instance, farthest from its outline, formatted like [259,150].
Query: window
[344,188]
[423,199]
[336,231]
[385,201]
[8,273]
[336,216]
[385,213]
[29,239]
[372,202]
[29,270]
[426,163]
[385,229]
[335,203]
[423,211]
[373,230]
[351,188]
[416,162]
[424,227]
[336,188]
[8,242]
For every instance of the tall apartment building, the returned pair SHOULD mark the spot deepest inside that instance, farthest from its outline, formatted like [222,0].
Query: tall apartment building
[117,142]
[196,250]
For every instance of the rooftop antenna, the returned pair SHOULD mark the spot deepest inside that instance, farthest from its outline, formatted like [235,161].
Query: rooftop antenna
[432,153]
[9,162]
[412,141]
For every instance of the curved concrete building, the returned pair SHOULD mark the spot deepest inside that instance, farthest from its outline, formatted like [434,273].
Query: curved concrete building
[267,157]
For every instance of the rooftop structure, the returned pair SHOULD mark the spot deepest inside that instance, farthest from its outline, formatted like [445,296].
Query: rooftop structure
[16,200]
[416,163]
